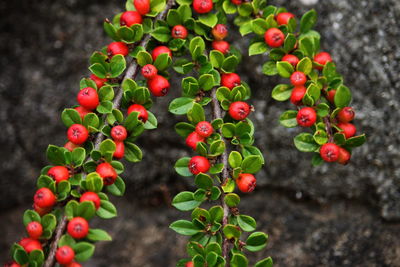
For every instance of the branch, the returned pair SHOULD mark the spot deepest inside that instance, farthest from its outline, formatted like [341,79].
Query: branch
[217,114]
[328,128]
[130,73]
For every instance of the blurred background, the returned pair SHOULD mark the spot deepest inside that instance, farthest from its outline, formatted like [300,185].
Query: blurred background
[330,215]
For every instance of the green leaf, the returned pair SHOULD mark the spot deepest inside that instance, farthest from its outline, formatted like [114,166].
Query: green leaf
[78,156]
[229,64]
[111,31]
[206,82]
[117,188]
[216,58]
[70,116]
[106,93]
[209,19]
[305,143]
[196,114]
[256,241]
[49,222]
[305,65]
[184,128]
[71,209]
[290,43]
[247,223]
[342,97]
[132,152]
[173,17]
[151,122]
[356,141]
[94,182]
[251,164]
[320,137]
[235,159]
[105,107]
[265,263]
[269,68]
[56,155]
[163,61]
[181,166]
[144,58]
[203,181]
[217,148]
[98,70]
[285,69]
[181,105]
[31,216]
[66,240]
[83,251]
[258,48]
[184,201]
[107,146]
[232,200]
[196,47]
[184,227]
[259,26]
[288,119]
[162,34]
[107,210]
[20,256]
[98,235]
[86,210]
[306,45]
[231,231]
[239,260]
[307,21]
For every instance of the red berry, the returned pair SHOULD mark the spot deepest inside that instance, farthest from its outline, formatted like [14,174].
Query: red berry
[246,182]
[192,140]
[142,6]
[78,228]
[298,78]
[189,264]
[119,150]
[44,198]
[306,117]
[346,114]
[70,146]
[230,80]
[202,6]
[143,114]
[330,96]
[158,86]
[12,264]
[160,50]
[30,244]
[107,172]
[41,211]
[179,32]
[117,48]
[348,129]
[58,173]
[129,18]
[119,133]
[239,110]
[88,98]
[198,164]
[236,2]
[344,156]
[91,196]
[221,46]
[220,31]
[283,18]
[322,58]
[98,81]
[34,229]
[292,59]
[82,111]
[77,134]
[274,37]
[329,152]
[73,264]
[204,129]
[65,255]
[149,71]
[297,95]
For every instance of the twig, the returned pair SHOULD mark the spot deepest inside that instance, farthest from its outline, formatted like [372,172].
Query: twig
[328,128]
[217,114]
[131,72]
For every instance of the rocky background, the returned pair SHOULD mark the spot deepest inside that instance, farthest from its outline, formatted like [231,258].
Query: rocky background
[325,216]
